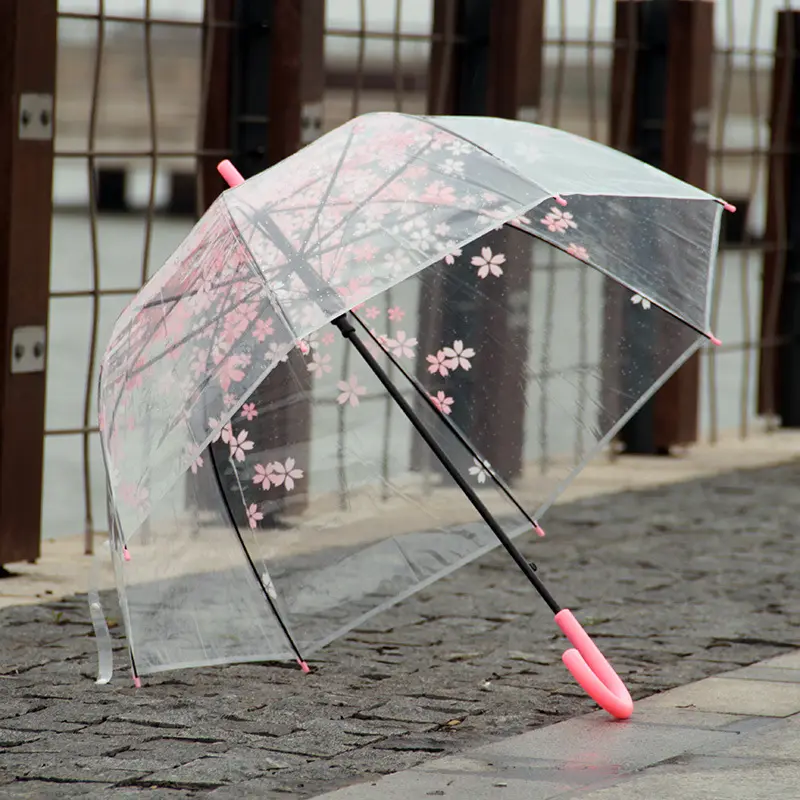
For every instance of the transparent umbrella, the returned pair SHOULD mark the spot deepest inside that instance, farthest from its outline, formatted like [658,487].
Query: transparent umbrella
[374,362]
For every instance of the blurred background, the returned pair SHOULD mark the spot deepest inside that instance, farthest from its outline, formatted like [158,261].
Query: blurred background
[120,110]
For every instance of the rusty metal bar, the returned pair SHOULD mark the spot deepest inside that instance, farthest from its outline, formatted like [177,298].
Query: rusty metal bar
[779,374]
[27,86]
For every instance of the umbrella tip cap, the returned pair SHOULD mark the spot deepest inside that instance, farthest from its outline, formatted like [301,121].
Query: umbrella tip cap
[539,530]
[715,341]
[728,207]
[126,554]
[231,175]
[137,681]
[303,666]
[559,199]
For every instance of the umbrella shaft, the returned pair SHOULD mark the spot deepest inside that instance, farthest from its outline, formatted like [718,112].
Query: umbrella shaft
[349,332]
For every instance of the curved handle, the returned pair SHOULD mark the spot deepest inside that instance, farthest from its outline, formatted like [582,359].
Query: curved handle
[591,670]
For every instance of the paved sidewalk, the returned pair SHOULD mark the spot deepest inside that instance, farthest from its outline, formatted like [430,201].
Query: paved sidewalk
[732,737]
[677,583]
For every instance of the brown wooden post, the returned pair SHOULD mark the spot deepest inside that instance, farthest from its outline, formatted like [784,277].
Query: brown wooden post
[265,78]
[660,112]
[27,87]
[497,76]
[779,373]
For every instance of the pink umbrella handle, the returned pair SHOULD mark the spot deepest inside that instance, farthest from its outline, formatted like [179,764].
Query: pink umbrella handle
[591,670]
[231,175]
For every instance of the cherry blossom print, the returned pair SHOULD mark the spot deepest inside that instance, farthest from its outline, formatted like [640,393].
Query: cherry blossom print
[442,402]
[240,445]
[285,474]
[196,463]
[249,411]
[453,252]
[452,166]
[229,400]
[488,263]
[438,364]
[254,516]
[224,432]
[372,312]
[261,475]
[402,345]
[276,353]
[458,356]
[439,192]
[319,364]
[578,251]
[558,221]
[396,314]
[638,300]
[231,371]
[328,338]
[480,470]
[350,391]
[262,329]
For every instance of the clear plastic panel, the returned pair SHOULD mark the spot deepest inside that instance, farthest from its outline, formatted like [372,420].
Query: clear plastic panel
[532,354]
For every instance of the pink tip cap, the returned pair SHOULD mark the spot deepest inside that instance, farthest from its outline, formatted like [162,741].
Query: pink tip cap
[303,666]
[126,554]
[231,175]
[559,199]
[539,529]
[714,340]
[728,207]
[137,681]
[591,670]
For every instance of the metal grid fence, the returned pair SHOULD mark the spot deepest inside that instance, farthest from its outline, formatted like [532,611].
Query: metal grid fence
[132,93]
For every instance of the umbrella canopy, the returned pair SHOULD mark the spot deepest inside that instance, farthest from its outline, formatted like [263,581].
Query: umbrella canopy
[525,289]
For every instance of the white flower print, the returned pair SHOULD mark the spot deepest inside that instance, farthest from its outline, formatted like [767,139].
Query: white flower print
[489,263]
[480,470]
[458,356]
[285,474]
[401,345]
[453,252]
[459,147]
[319,364]
[452,166]
[275,353]
[350,391]
[240,445]
[637,299]
[558,221]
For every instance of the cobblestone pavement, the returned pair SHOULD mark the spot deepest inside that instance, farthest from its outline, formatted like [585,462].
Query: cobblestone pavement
[676,584]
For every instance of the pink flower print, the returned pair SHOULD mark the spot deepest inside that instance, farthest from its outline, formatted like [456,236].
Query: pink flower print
[254,516]
[350,391]
[328,338]
[578,251]
[442,402]
[519,221]
[240,445]
[558,221]
[195,458]
[365,252]
[261,475]
[458,355]
[319,364]
[372,312]
[396,314]
[230,371]
[439,192]
[401,345]
[285,474]
[438,363]
[227,433]
[262,329]
[275,353]
[229,399]
[218,432]
[489,263]
[249,411]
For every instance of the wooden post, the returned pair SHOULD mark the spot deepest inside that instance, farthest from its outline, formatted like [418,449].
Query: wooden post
[779,374]
[27,86]
[660,111]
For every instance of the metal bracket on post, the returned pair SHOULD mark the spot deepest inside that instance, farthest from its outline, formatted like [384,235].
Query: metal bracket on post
[35,117]
[28,349]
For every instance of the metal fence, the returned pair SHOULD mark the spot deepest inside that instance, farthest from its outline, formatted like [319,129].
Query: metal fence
[148,97]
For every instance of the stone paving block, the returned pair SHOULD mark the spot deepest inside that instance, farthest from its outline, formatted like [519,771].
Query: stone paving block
[47,720]
[12,738]
[785,661]
[47,790]
[80,744]
[676,717]
[781,740]
[628,745]
[406,710]
[703,778]
[52,767]
[210,772]
[728,695]
[757,672]
[158,717]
